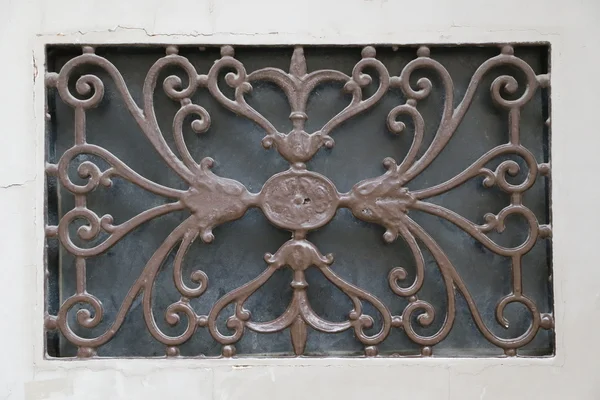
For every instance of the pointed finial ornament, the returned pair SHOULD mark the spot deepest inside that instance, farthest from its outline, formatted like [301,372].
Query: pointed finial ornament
[298,64]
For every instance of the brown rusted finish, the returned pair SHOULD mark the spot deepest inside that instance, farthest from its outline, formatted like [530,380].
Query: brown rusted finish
[297,200]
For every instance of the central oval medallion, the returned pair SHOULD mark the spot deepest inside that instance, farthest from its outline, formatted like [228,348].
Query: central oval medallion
[299,200]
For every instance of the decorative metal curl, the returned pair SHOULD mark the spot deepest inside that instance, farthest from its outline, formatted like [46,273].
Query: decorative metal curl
[296,200]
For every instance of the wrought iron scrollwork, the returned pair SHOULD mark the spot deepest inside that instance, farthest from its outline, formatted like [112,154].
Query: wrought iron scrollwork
[297,200]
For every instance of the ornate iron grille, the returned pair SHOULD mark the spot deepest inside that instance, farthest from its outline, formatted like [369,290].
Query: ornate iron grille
[297,200]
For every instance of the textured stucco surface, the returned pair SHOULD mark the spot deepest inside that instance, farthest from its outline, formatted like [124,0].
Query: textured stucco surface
[570,27]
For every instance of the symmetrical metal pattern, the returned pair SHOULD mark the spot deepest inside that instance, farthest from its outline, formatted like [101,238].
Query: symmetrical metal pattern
[297,200]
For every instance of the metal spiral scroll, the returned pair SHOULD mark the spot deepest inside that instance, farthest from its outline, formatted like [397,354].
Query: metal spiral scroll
[297,200]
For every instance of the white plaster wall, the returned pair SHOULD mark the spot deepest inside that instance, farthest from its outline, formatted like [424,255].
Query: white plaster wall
[572,27]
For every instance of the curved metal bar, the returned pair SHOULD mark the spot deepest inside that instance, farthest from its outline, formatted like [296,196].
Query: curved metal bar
[398,127]
[151,128]
[296,200]
[198,276]
[451,278]
[451,118]
[199,126]
[91,171]
[494,221]
[237,321]
[145,118]
[96,224]
[355,85]
[145,279]
[238,81]
[399,273]
[497,177]
[360,321]
[147,285]
[278,324]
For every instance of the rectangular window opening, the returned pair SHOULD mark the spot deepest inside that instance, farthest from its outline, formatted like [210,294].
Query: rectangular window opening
[251,201]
